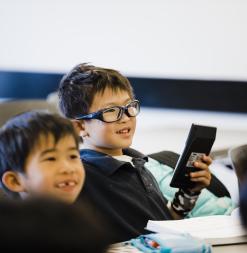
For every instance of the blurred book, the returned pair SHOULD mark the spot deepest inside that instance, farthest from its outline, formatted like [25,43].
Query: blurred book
[215,230]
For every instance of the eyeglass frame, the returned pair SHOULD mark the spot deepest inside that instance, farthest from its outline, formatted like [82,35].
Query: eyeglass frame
[99,114]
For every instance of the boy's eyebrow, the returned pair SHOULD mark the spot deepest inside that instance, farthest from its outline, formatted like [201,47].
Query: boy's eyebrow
[54,149]
[73,149]
[47,151]
[114,104]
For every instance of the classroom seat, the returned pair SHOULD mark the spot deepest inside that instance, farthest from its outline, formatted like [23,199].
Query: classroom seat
[238,157]
[11,108]
[170,158]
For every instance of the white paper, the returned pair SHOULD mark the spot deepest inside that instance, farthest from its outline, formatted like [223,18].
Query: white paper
[216,229]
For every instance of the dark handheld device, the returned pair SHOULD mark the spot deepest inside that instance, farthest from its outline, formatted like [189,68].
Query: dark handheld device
[199,142]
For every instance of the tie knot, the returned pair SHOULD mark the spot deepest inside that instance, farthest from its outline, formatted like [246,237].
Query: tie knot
[138,162]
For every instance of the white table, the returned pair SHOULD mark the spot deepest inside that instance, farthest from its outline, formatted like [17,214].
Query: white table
[237,248]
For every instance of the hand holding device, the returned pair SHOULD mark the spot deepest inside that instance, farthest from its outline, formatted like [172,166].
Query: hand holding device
[199,142]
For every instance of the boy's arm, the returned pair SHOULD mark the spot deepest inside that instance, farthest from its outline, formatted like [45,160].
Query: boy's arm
[185,199]
[174,214]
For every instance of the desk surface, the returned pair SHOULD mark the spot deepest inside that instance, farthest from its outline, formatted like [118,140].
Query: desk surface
[238,248]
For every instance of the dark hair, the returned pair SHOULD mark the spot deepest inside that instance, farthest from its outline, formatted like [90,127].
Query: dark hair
[47,224]
[22,133]
[78,88]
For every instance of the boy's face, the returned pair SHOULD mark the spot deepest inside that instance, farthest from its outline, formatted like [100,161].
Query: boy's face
[54,170]
[109,138]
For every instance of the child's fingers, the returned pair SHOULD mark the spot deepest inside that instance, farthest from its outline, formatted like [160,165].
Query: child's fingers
[207,159]
[202,180]
[201,165]
[202,177]
[202,173]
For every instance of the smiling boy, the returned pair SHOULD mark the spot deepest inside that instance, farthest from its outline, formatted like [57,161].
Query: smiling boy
[102,106]
[39,157]
[110,138]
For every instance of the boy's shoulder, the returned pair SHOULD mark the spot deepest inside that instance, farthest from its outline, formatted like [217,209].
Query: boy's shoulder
[90,153]
[105,162]
[98,163]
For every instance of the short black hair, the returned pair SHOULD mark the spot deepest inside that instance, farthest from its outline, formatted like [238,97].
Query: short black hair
[48,224]
[77,88]
[20,134]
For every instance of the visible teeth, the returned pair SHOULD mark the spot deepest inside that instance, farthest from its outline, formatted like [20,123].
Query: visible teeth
[125,131]
[64,184]
[60,185]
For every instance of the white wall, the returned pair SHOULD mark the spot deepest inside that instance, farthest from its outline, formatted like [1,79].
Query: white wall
[176,38]
[167,129]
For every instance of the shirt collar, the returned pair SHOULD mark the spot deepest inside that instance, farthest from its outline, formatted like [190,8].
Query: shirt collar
[106,163]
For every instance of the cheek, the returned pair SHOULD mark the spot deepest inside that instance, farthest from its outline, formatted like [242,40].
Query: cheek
[101,130]
[83,175]
[134,123]
[38,179]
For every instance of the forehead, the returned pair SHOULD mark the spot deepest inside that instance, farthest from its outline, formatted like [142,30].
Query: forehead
[109,97]
[47,141]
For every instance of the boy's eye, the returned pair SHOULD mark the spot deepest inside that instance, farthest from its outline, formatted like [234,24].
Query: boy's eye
[74,156]
[113,109]
[51,158]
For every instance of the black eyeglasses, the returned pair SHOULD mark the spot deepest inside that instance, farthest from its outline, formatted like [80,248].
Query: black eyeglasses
[114,113]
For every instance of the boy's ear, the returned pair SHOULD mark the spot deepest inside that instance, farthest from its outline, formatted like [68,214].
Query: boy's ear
[13,181]
[79,126]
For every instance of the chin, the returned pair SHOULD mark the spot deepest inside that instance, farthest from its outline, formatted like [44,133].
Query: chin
[126,145]
[68,200]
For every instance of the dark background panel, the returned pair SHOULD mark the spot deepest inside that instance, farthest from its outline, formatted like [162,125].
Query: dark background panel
[192,94]
[228,96]
[27,85]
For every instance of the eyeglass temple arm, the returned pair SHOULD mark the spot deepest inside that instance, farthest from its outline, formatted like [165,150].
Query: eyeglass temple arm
[94,115]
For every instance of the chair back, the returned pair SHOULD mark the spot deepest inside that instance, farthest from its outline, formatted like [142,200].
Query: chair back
[170,158]
[11,108]
[238,158]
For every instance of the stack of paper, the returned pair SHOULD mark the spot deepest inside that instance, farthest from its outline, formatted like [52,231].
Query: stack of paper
[216,230]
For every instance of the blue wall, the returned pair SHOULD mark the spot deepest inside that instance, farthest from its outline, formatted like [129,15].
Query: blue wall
[229,96]
[27,84]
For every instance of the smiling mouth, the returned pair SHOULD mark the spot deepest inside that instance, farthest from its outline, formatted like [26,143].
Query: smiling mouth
[67,185]
[124,131]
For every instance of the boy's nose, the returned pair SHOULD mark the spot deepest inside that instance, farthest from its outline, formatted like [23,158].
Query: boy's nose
[66,168]
[124,117]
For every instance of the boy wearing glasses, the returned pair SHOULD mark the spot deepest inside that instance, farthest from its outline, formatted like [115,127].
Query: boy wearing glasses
[102,105]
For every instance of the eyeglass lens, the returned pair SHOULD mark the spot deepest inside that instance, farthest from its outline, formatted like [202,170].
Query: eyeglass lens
[115,113]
